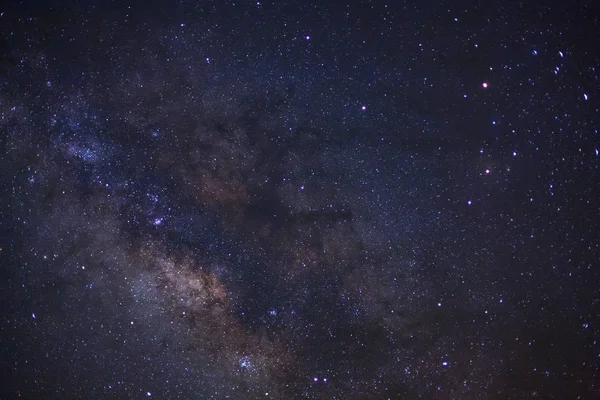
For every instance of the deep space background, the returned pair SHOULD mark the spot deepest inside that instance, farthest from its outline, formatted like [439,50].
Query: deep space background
[299,200]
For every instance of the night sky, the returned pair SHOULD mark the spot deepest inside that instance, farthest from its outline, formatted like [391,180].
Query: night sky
[299,200]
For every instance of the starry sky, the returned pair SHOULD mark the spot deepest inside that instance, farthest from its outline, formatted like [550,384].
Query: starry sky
[299,200]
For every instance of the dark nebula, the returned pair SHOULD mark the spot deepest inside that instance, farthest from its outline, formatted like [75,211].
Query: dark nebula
[299,200]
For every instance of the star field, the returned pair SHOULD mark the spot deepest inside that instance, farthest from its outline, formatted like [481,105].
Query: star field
[299,200]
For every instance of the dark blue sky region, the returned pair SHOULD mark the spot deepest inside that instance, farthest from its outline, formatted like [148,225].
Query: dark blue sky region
[299,200]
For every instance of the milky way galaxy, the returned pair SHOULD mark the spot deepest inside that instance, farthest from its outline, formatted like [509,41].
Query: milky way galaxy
[299,200]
